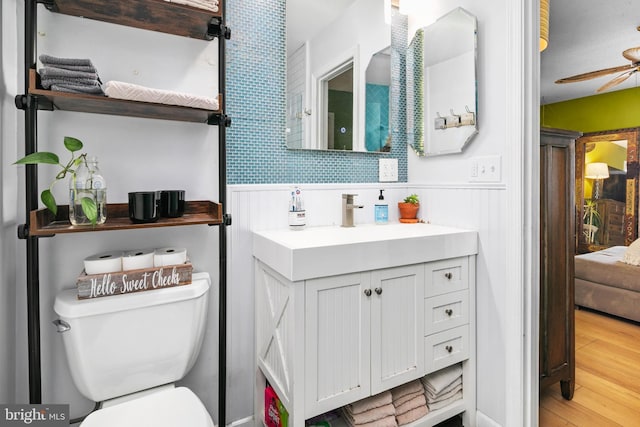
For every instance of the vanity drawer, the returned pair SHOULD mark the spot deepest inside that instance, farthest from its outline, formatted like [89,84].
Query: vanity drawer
[446,311]
[446,276]
[446,348]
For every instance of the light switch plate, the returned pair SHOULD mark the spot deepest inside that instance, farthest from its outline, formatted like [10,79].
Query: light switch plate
[485,169]
[387,170]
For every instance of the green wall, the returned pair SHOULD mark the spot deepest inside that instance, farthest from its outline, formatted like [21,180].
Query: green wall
[607,111]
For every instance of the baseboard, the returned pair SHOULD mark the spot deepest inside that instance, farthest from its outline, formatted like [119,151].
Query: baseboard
[244,422]
[484,421]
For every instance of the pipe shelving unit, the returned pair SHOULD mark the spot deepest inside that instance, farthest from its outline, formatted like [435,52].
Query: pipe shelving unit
[34,99]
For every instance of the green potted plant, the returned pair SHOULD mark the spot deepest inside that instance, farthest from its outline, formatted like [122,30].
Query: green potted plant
[87,203]
[590,221]
[409,208]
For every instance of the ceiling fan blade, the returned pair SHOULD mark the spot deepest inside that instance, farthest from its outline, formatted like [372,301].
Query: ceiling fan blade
[632,54]
[594,74]
[616,80]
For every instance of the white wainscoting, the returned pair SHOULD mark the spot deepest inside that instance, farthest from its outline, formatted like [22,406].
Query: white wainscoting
[261,207]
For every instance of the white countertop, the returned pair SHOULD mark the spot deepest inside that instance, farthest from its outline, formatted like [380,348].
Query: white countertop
[328,251]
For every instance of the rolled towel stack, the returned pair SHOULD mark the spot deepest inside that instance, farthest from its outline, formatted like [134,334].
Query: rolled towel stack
[443,387]
[211,5]
[72,75]
[410,402]
[374,411]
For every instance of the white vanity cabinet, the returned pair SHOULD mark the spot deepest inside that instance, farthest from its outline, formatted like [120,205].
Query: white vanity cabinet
[363,335]
[390,316]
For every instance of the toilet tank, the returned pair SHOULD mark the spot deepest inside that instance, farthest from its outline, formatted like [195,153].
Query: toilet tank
[121,344]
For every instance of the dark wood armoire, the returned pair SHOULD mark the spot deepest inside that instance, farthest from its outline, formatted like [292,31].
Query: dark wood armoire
[557,249]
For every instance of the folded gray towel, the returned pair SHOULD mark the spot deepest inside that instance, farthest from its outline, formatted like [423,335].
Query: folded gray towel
[52,60]
[71,88]
[83,68]
[56,73]
[46,83]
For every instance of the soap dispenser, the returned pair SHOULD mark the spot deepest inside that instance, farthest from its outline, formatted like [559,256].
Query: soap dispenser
[381,210]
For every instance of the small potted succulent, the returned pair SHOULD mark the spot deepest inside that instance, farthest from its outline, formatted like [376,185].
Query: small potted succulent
[409,208]
[86,203]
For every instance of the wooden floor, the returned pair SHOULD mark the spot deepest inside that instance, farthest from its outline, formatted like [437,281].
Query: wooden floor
[607,391]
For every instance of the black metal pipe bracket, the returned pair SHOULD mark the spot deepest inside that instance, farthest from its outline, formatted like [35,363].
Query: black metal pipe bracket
[216,28]
[219,120]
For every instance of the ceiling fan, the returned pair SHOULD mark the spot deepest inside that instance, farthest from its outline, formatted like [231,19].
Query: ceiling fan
[632,54]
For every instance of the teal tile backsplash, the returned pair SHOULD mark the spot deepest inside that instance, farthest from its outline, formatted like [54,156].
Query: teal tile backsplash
[255,101]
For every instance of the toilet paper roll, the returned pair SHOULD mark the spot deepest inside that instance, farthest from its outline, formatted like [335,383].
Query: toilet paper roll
[106,262]
[138,259]
[169,256]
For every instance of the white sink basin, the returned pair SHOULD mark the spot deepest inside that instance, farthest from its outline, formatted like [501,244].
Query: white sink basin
[328,251]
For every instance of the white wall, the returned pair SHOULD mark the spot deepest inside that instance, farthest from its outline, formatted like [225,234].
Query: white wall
[134,154]
[495,209]
[8,209]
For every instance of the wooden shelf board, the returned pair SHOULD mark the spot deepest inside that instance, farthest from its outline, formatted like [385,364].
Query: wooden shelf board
[43,223]
[154,15]
[120,107]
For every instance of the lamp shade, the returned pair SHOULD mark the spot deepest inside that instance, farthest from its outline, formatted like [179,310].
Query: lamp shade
[544,24]
[597,171]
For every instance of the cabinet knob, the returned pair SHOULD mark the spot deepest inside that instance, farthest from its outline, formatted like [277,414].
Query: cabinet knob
[367,292]
[448,311]
[449,349]
[448,275]
[378,291]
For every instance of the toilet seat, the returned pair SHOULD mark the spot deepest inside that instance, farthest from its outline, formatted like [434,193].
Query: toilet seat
[174,407]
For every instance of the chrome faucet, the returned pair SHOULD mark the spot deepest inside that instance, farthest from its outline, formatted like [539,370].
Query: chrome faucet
[347,209]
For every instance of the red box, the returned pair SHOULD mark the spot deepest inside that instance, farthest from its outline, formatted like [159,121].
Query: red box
[275,414]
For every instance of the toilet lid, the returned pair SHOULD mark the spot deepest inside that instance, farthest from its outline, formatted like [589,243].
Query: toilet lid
[176,407]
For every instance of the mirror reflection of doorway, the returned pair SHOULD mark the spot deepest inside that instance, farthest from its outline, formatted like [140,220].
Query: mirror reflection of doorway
[339,119]
[606,189]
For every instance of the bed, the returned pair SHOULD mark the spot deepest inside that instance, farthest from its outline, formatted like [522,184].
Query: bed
[604,283]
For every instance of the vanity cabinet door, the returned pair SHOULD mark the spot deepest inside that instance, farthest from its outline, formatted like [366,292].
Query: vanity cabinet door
[397,326]
[337,341]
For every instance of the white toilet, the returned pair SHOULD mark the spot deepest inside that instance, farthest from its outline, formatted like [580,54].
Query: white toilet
[127,351]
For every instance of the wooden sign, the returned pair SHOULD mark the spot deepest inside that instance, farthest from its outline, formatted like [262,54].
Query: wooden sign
[124,282]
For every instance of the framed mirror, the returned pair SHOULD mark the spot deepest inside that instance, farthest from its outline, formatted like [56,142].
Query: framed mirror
[442,101]
[607,189]
[334,52]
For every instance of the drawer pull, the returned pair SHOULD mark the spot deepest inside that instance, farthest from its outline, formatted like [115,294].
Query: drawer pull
[448,275]
[449,312]
[379,291]
[367,292]
[449,348]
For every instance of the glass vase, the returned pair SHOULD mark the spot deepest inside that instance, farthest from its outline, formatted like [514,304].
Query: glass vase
[87,183]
